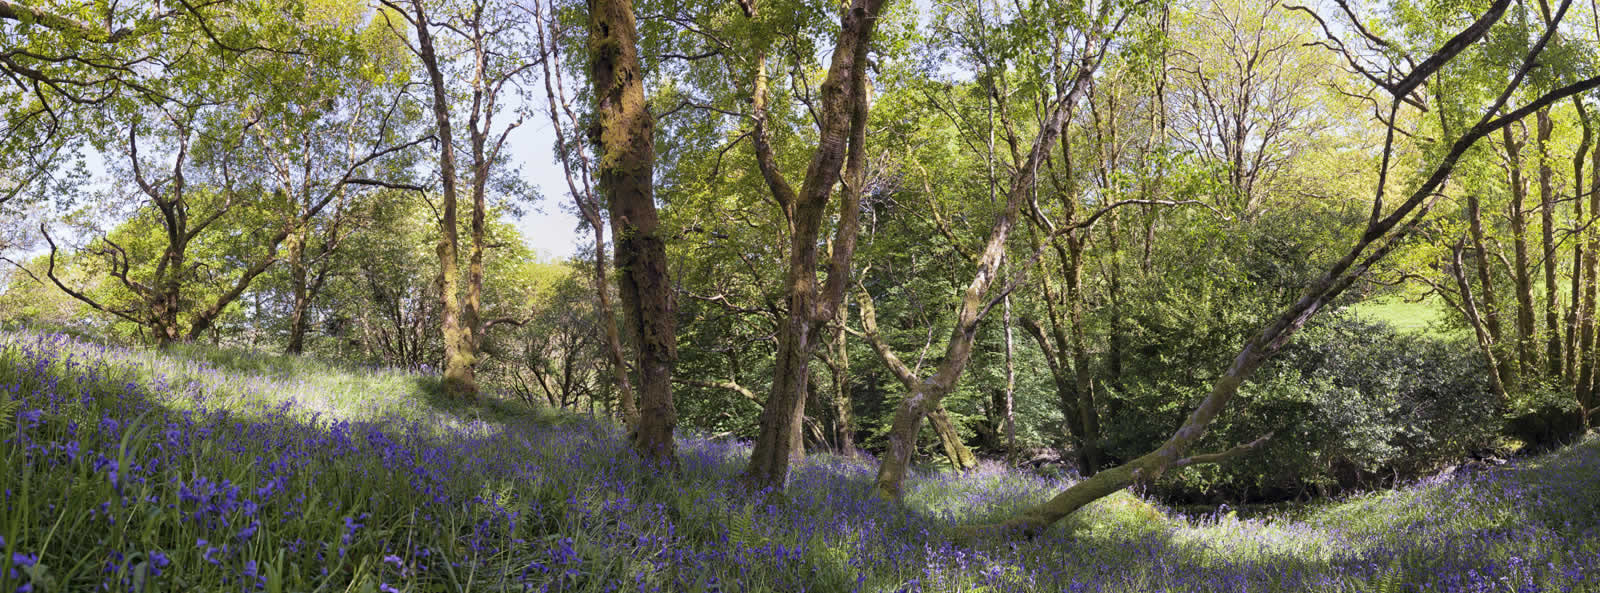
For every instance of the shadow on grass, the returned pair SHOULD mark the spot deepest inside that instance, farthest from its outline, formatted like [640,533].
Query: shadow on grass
[463,499]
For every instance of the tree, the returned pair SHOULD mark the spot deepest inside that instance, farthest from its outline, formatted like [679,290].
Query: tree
[841,122]
[575,164]
[1383,233]
[623,133]
[485,45]
[194,158]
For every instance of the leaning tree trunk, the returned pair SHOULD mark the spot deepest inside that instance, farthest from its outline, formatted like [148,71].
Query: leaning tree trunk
[956,451]
[623,133]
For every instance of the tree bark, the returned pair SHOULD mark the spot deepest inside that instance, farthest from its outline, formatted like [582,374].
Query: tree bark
[624,133]
[1554,365]
[1527,355]
[842,111]
[459,380]
[299,291]
[578,184]
[956,451]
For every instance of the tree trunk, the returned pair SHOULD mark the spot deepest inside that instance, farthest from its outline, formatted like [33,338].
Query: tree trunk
[1579,250]
[299,291]
[1591,265]
[1554,365]
[1527,355]
[627,405]
[1083,375]
[1490,312]
[1469,306]
[956,451]
[842,122]
[623,133]
[459,382]
[1075,402]
[844,433]
[590,207]
[1005,426]
[925,394]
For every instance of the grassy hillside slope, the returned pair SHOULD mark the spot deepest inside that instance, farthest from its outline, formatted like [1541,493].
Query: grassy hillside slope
[200,470]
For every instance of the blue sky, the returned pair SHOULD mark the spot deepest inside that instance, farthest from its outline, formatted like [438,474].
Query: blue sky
[548,227]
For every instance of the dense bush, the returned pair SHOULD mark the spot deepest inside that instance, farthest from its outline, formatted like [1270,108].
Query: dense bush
[1350,404]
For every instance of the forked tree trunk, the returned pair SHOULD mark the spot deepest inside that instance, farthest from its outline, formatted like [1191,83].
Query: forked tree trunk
[842,122]
[624,134]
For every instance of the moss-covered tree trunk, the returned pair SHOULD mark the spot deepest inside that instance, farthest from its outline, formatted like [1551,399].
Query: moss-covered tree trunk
[624,136]
[589,207]
[957,452]
[1522,273]
[842,112]
[459,380]
[1591,267]
[1555,365]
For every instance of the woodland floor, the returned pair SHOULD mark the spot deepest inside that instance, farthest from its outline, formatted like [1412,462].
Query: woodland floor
[210,470]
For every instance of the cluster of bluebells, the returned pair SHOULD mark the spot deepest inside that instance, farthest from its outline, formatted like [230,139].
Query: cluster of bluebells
[165,479]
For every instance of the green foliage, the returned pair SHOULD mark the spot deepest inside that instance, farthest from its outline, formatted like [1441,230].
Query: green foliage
[1352,405]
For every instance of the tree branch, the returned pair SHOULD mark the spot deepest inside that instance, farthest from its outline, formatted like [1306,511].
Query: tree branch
[1222,456]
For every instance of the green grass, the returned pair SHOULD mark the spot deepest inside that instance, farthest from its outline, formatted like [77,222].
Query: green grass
[1427,316]
[204,470]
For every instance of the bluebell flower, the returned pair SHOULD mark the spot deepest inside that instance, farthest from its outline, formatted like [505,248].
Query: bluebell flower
[158,561]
